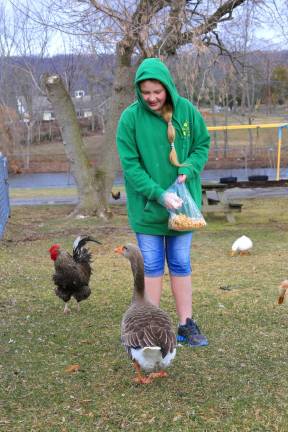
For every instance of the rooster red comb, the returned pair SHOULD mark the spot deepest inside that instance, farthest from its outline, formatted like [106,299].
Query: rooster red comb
[54,251]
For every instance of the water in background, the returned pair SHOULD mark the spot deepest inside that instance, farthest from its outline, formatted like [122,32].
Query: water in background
[42,180]
[242,174]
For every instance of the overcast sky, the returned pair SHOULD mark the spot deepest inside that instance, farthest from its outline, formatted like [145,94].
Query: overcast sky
[266,36]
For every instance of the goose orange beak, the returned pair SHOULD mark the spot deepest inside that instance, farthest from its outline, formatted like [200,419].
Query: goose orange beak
[119,250]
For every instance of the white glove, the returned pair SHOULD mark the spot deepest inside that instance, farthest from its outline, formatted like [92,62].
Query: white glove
[171,201]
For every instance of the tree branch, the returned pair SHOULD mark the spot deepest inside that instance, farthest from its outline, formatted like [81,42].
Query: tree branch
[108,11]
[173,38]
[223,13]
[136,30]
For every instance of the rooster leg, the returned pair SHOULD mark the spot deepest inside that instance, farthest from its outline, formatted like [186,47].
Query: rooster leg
[242,253]
[66,309]
[160,374]
[140,379]
[78,307]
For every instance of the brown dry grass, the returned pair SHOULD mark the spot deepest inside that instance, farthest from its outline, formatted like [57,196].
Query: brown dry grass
[238,383]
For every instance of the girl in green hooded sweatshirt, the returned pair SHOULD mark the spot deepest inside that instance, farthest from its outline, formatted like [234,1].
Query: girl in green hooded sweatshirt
[161,138]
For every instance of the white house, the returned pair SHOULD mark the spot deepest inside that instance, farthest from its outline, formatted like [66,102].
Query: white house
[43,110]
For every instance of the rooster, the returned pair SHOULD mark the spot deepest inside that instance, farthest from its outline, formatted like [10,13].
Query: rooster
[72,272]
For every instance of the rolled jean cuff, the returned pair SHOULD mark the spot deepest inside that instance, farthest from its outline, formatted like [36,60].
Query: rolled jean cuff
[153,274]
[180,275]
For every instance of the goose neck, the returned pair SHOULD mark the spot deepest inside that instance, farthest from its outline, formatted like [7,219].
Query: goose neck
[138,274]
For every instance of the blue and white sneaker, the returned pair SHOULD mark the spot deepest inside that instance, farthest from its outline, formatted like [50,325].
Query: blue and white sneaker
[190,334]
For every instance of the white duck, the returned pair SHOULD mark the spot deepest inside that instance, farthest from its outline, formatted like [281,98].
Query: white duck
[242,245]
[146,330]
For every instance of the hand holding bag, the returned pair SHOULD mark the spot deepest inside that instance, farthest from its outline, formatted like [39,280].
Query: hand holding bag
[187,217]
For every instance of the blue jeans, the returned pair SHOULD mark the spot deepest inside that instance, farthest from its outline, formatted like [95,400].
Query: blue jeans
[176,249]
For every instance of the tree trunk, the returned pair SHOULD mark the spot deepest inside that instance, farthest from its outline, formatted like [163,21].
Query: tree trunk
[90,200]
[122,96]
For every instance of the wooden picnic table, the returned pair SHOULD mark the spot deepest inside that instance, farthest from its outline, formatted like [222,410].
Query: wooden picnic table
[222,204]
[219,205]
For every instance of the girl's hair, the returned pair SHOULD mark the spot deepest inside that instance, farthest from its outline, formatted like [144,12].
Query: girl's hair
[167,112]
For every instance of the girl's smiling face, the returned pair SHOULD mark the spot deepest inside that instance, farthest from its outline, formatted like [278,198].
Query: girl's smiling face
[154,94]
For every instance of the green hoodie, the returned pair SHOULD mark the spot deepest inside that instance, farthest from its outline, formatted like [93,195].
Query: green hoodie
[144,149]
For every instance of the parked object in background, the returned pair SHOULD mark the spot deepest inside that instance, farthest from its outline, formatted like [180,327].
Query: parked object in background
[242,246]
[258,178]
[282,291]
[228,180]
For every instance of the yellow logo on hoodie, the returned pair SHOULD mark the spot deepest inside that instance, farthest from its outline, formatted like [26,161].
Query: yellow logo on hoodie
[186,129]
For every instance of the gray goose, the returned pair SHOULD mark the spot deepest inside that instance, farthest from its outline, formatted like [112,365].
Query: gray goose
[146,330]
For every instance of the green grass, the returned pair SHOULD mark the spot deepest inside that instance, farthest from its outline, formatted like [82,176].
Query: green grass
[42,192]
[23,193]
[238,383]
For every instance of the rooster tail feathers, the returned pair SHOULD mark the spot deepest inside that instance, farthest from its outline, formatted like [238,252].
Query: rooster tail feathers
[81,254]
[80,241]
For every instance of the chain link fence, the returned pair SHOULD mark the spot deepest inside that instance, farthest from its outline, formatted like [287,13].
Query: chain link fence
[4,194]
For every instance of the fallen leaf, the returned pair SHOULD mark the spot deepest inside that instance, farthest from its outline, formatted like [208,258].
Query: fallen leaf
[225,287]
[72,368]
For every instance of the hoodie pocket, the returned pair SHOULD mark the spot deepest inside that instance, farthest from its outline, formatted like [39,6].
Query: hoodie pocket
[155,213]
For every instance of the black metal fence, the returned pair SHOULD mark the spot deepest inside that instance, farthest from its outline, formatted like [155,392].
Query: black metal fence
[4,194]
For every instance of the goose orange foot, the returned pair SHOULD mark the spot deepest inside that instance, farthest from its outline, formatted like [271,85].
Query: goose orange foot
[140,379]
[160,374]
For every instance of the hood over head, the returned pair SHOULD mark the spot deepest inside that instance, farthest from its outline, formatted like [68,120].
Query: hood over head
[155,69]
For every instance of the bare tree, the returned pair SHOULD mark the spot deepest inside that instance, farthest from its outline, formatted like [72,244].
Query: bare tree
[9,119]
[277,19]
[81,168]
[18,43]
[134,30]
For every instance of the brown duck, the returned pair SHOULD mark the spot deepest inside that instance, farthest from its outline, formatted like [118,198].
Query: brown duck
[146,330]
[282,291]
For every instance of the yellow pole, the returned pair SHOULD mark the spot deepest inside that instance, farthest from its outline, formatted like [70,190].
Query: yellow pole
[239,127]
[279,153]
[280,127]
